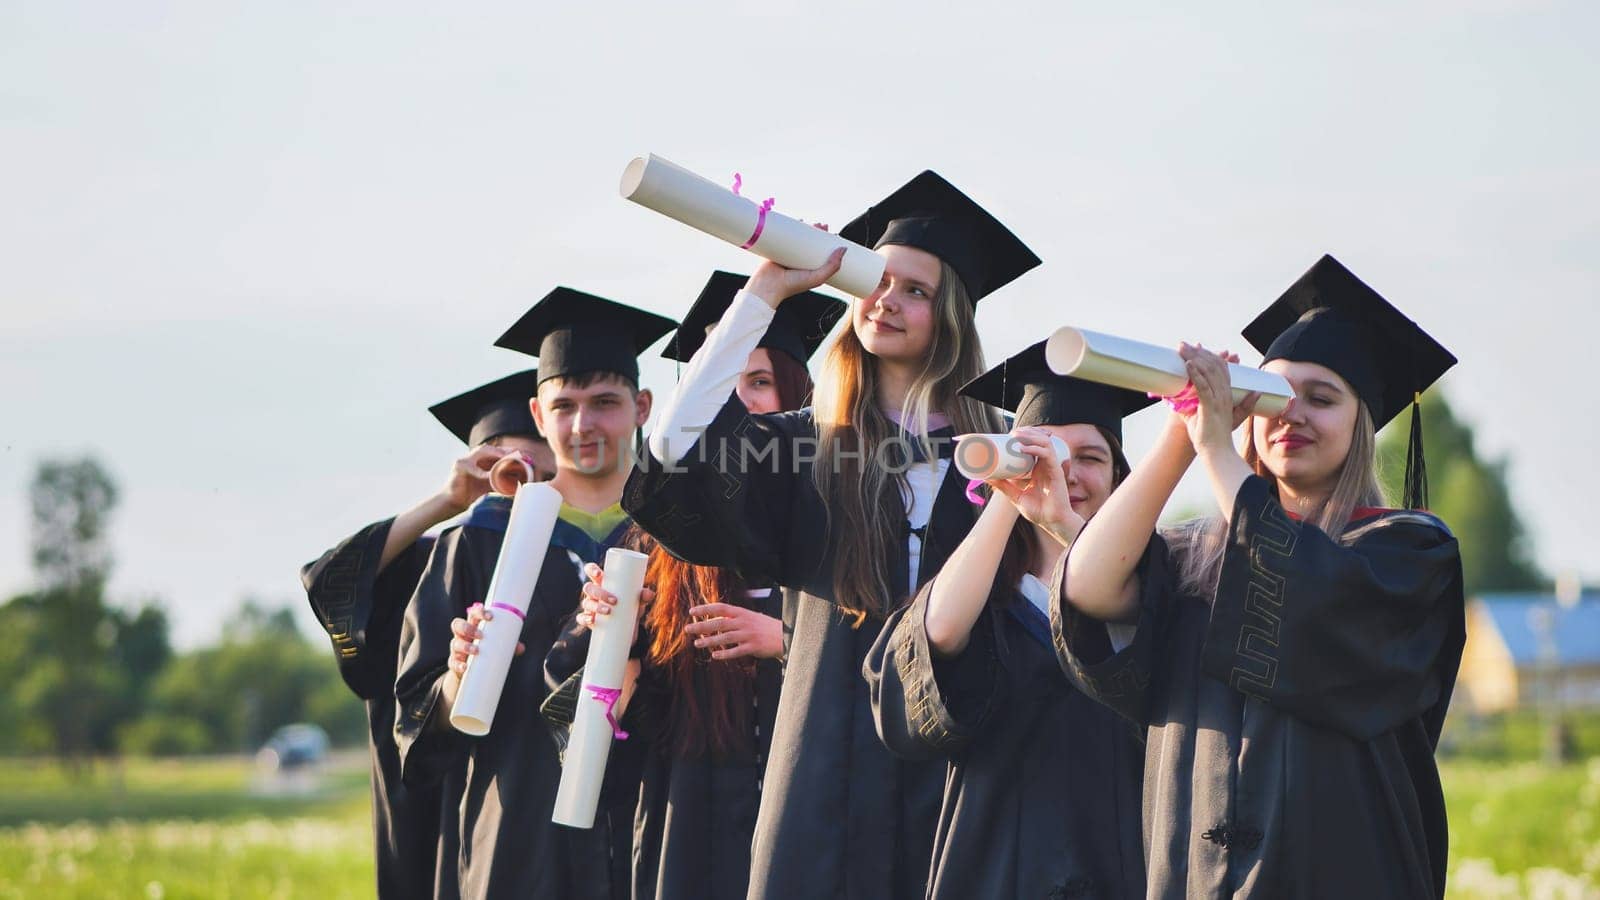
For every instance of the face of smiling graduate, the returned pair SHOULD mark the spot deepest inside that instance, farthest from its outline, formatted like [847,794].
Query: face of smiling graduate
[1091,473]
[896,323]
[590,422]
[1306,445]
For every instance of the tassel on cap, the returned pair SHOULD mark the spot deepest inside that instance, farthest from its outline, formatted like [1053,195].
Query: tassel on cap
[1416,489]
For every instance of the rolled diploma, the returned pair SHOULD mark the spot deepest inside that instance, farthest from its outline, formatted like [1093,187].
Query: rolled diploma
[533,518]
[590,744]
[1137,366]
[988,456]
[678,193]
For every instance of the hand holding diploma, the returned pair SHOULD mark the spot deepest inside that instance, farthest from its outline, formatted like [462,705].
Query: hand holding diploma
[1138,366]
[597,601]
[1040,494]
[775,284]
[674,191]
[516,572]
[595,722]
[466,633]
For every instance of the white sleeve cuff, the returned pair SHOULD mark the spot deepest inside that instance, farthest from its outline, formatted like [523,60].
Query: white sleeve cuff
[709,377]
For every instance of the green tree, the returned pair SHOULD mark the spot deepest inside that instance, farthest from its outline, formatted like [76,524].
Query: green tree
[77,669]
[1469,493]
[70,688]
[264,674]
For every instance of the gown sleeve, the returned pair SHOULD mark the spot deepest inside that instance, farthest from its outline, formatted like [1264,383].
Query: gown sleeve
[1117,674]
[728,499]
[733,508]
[357,603]
[1358,635]
[925,706]
[457,575]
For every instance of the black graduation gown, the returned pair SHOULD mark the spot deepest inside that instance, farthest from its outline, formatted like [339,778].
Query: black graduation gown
[840,816]
[508,845]
[1291,720]
[362,608]
[1042,790]
[696,815]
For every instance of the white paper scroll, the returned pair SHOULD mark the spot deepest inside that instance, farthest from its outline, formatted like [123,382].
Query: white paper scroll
[990,456]
[533,518]
[680,194]
[1138,366]
[594,721]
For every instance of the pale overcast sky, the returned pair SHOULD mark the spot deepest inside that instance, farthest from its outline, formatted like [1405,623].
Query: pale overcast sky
[243,246]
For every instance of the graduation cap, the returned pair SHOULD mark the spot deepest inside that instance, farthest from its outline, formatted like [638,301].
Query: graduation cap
[798,329]
[930,214]
[1332,318]
[491,410]
[574,333]
[1025,385]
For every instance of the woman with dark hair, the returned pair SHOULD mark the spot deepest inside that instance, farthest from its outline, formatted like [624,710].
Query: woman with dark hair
[706,713]
[1041,795]
[1293,659]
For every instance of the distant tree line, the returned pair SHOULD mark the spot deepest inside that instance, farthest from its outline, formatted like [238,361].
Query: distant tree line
[87,678]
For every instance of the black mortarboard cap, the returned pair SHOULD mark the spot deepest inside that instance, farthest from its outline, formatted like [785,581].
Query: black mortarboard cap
[1025,385]
[930,214]
[1332,318]
[491,410]
[573,333]
[798,329]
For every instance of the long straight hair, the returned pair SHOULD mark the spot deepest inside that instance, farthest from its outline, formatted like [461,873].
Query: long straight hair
[862,498]
[1357,486]
[714,722]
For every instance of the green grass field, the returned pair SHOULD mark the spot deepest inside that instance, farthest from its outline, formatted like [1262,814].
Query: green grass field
[211,829]
[183,829]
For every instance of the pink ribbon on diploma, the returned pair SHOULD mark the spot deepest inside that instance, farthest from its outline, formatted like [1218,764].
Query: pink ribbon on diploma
[1184,402]
[609,696]
[510,609]
[761,216]
[973,496]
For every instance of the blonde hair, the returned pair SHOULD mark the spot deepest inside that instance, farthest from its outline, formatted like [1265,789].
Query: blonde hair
[1357,486]
[862,499]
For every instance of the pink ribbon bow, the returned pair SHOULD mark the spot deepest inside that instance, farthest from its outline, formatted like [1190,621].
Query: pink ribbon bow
[973,496]
[1184,402]
[610,696]
[761,216]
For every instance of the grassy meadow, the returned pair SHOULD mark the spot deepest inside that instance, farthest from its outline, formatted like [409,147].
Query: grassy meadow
[216,828]
[211,828]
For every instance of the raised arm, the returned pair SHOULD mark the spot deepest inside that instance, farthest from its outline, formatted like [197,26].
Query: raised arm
[1100,578]
[469,480]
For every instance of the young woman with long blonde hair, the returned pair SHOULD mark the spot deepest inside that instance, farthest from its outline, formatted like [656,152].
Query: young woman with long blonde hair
[849,507]
[1292,661]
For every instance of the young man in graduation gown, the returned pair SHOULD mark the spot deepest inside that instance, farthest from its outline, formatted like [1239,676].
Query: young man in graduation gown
[589,405]
[359,591]
[705,705]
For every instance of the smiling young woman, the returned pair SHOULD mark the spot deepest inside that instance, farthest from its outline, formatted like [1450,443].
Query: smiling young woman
[1293,659]
[1041,791]
[817,503]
